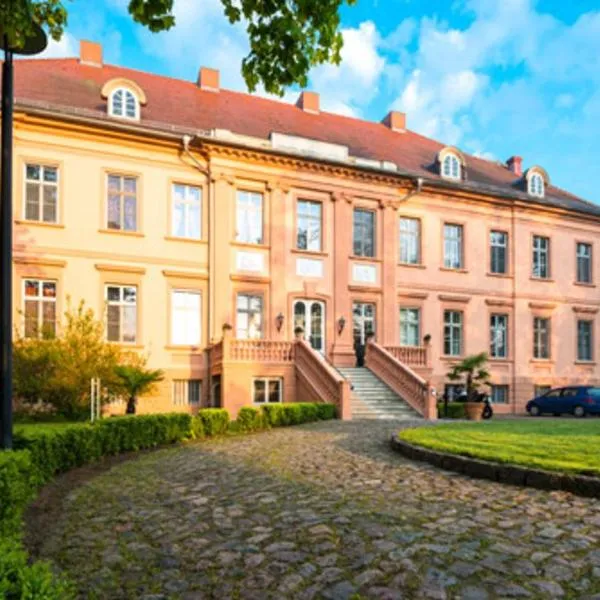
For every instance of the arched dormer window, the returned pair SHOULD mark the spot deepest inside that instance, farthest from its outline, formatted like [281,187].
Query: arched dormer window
[123,103]
[536,185]
[451,164]
[537,180]
[124,98]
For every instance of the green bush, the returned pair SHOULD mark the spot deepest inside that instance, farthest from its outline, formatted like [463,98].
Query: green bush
[250,419]
[214,420]
[21,581]
[456,410]
[280,415]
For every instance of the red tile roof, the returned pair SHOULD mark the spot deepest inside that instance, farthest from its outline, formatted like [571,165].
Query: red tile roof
[68,84]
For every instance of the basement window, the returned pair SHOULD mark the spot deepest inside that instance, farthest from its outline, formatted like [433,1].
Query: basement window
[267,390]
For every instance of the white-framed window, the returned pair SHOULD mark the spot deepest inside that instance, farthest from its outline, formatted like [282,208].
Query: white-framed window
[410,241]
[541,257]
[309,225]
[121,301]
[584,263]
[122,203]
[498,336]
[585,336]
[453,331]
[541,337]
[39,307]
[186,215]
[123,103]
[535,185]
[249,317]
[410,326]
[41,193]
[451,167]
[187,392]
[249,217]
[267,390]
[453,246]
[186,314]
[499,394]
[498,252]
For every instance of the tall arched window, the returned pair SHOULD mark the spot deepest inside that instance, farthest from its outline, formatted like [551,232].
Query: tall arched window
[536,185]
[451,167]
[124,103]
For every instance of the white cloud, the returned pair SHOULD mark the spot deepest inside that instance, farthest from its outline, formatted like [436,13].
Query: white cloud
[66,47]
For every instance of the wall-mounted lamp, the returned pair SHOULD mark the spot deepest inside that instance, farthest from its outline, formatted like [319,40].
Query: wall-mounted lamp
[341,324]
[426,339]
[279,321]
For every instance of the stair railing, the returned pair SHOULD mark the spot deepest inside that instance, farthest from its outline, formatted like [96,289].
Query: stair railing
[410,386]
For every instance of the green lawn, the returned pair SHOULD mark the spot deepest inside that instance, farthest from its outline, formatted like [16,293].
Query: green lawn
[555,445]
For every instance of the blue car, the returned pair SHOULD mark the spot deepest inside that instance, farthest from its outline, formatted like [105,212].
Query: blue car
[579,400]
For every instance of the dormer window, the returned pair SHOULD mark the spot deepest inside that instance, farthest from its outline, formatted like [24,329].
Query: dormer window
[536,185]
[451,163]
[451,167]
[123,103]
[123,98]
[536,180]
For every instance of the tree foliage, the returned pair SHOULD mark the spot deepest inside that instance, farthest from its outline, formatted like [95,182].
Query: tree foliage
[58,370]
[472,371]
[286,37]
[135,380]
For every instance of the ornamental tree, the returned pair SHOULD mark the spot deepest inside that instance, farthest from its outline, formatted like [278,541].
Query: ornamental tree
[472,372]
[286,37]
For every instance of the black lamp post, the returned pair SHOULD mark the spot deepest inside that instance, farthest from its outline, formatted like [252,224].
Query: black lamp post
[33,43]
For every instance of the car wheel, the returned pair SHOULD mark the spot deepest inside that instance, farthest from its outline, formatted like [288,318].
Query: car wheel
[534,411]
[579,411]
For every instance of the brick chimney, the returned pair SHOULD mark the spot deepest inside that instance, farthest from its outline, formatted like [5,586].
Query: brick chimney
[515,164]
[396,121]
[90,53]
[309,102]
[208,79]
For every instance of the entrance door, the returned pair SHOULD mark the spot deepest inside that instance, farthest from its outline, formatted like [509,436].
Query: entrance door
[363,322]
[310,315]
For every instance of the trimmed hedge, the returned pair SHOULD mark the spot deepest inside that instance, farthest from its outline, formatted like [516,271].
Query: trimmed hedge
[456,410]
[45,452]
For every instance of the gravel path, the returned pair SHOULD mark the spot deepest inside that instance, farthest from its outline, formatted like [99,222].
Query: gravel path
[318,511]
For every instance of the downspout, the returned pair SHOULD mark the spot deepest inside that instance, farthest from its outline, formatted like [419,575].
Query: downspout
[186,140]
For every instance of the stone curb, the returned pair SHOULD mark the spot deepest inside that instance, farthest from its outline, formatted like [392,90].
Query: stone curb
[581,485]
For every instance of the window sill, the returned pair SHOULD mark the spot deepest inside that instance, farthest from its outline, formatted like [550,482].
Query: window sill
[542,279]
[585,363]
[412,266]
[542,361]
[121,232]
[309,252]
[261,246]
[448,357]
[505,359]
[184,348]
[39,224]
[366,259]
[461,270]
[128,346]
[173,238]
[584,284]
[499,275]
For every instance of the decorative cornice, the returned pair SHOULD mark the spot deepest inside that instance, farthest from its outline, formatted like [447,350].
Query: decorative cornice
[453,298]
[120,268]
[250,278]
[588,310]
[39,261]
[499,302]
[415,295]
[542,305]
[185,274]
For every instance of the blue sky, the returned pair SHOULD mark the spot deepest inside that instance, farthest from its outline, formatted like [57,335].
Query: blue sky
[493,77]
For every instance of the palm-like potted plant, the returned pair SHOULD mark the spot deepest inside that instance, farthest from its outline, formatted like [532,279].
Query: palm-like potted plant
[472,372]
[136,380]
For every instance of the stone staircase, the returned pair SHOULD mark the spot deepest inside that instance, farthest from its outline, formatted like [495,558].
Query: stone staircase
[373,399]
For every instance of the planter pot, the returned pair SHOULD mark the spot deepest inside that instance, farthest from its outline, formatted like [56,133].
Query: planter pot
[474,410]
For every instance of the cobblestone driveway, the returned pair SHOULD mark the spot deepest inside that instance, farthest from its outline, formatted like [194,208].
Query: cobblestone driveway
[319,511]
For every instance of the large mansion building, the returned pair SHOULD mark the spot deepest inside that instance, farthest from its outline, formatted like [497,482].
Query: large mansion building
[252,247]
